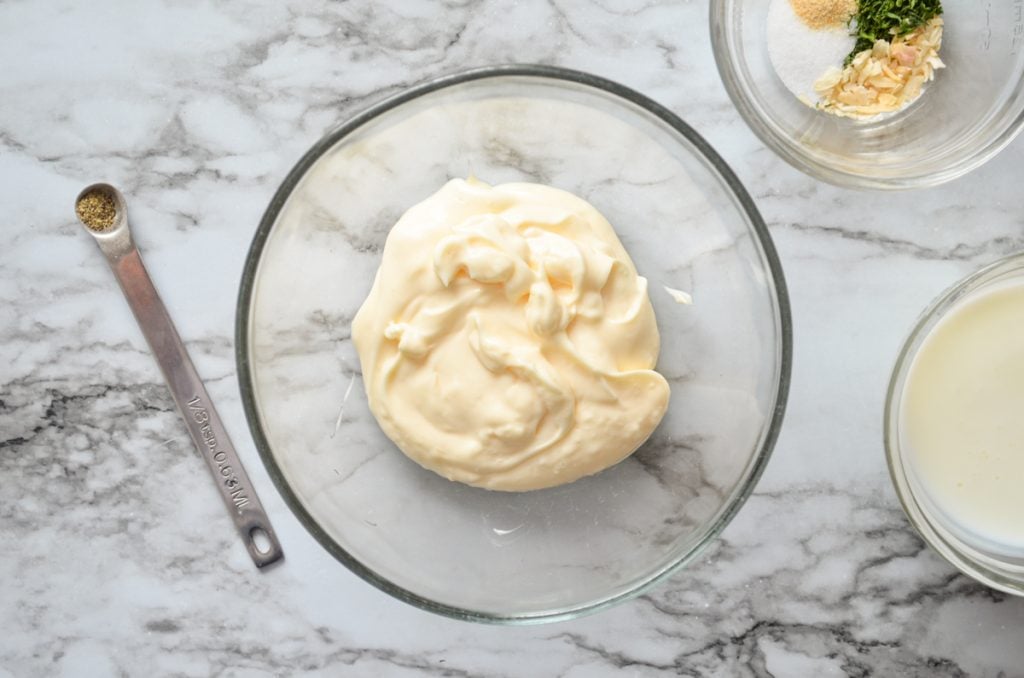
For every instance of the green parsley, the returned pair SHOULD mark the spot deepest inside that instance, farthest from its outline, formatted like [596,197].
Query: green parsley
[883,19]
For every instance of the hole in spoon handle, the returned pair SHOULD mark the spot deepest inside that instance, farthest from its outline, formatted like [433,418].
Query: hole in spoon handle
[261,542]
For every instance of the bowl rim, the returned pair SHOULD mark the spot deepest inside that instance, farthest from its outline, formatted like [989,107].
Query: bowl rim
[545,72]
[939,308]
[790,151]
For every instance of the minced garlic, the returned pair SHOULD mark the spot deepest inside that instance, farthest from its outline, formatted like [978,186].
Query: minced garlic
[884,78]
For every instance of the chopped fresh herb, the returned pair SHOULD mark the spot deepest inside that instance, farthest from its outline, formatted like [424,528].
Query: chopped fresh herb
[882,19]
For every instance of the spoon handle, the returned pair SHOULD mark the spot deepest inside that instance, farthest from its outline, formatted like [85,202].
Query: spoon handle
[195,406]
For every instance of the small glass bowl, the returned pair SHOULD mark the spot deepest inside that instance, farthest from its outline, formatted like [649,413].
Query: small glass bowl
[993,569]
[506,557]
[973,108]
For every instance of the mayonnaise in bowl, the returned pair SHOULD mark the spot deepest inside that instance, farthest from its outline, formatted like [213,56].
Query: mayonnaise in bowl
[508,341]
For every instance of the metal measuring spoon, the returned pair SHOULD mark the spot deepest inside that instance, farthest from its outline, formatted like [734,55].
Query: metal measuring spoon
[102,210]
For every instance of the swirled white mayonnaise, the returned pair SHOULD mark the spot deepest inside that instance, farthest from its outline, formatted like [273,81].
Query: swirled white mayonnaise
[508,341]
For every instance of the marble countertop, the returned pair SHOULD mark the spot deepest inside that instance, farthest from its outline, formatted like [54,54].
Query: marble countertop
[117,557]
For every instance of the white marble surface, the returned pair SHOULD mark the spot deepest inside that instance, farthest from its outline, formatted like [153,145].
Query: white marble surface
[117,558]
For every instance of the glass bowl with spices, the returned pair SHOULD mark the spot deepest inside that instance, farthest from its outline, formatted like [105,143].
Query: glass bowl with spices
[877,93]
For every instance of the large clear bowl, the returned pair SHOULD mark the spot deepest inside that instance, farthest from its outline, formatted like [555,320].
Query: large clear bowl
[535,556]
[989,566]
[970,112]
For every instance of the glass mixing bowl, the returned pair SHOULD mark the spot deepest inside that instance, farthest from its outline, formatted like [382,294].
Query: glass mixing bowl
[991,566]
[973,108]
[534,556]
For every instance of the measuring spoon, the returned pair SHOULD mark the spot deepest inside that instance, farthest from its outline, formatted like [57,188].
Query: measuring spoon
[194,404]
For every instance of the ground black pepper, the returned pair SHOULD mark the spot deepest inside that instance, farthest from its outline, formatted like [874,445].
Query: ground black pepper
[97,210]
